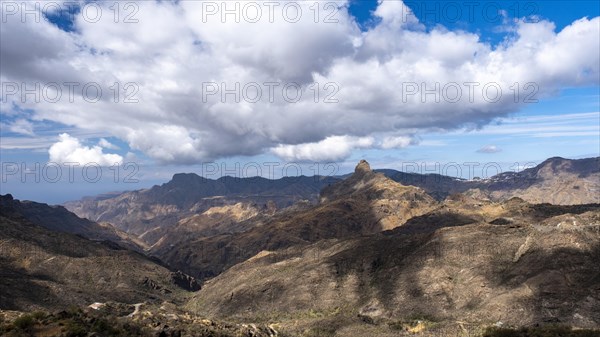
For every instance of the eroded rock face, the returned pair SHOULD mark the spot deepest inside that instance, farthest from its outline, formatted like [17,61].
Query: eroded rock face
[185,281]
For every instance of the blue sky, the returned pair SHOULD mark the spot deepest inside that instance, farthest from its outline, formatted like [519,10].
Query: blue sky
[482,16]
[565,120]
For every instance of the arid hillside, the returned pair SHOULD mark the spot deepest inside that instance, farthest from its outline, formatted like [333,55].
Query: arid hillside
[513,262]
[48,269]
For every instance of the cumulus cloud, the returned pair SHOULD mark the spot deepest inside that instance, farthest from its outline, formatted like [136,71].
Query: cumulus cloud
[489,149]
[396,142]
[70,150]
[355,84]
[331,148]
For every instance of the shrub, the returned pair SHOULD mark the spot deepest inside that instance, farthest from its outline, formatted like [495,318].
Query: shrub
[24,322]
[75,329]
[38,315]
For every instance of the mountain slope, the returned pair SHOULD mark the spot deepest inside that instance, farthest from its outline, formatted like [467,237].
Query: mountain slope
[150,213]
[58,218]
[513,262]
[46,269]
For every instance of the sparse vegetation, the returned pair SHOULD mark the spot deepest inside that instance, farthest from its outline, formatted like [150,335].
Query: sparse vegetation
[415,323]
[320,332]
[70,323]
[38,315]
[543,331]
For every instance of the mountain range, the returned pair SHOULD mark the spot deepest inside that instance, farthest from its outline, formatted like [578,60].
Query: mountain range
[374,253]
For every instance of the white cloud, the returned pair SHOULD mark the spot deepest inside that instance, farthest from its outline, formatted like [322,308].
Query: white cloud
[544,126]
[106,144]
[330,149]
[489,149]
[27,143]
[70,150]
[396,142]
[173,50]
[22,126]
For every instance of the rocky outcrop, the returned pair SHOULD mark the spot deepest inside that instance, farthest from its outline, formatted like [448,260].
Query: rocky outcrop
[185,281]
[362,168]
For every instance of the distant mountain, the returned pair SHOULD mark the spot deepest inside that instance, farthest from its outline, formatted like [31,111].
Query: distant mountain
[190,211]
[556,181]
[41,268]
[146,213]
[436,185]
[141,212]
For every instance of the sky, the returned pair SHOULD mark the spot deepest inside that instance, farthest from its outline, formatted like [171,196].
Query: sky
[103,96]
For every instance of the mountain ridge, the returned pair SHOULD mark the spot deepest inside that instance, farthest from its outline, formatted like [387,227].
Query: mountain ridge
[556,180]
[141,211]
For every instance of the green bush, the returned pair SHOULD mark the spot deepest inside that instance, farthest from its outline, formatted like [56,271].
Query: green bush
[38,315]
[24,322]
[75,329]
[103,326]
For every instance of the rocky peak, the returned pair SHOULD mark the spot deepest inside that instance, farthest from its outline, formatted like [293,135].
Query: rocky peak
[6,198]
[185,178]
[7,205]
[362,167]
